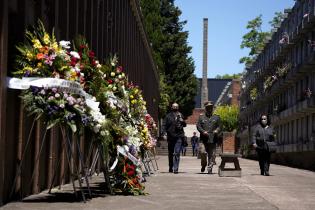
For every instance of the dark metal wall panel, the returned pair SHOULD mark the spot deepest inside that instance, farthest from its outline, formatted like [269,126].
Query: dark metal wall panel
[110,26]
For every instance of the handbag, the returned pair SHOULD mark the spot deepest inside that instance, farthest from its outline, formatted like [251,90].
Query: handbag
[272,146]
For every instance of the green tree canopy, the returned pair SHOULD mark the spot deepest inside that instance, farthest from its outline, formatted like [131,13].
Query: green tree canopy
[169,42]
[253,40]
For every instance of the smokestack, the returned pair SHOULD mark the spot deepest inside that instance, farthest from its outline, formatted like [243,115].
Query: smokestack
[204,87]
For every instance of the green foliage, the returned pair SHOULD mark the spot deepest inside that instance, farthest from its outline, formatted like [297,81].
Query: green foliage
[229,76]
[253,40]
[277,19]
[253,94]
[229,117]
[171,52]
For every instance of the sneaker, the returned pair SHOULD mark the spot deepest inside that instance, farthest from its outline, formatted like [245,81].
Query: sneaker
[203,168]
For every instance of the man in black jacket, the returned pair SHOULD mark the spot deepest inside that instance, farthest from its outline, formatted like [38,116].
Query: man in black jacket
[173,127]
[209,126]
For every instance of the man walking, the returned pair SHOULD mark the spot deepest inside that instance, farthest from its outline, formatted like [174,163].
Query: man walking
[209,126]
[194,141]
[173,126]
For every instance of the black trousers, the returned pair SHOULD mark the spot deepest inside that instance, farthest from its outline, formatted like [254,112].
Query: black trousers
[264,160]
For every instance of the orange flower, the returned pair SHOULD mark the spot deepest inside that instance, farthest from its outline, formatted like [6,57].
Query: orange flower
[40,56]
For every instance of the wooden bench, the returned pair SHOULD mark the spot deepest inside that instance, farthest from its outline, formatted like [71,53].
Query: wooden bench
[230,172]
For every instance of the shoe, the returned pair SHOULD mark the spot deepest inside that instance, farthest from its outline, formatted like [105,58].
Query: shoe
[203,168]
[267,173]
[175,172]
[262,173]
[170,170]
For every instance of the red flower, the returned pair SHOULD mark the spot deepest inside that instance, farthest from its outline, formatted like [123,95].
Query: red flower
[82,46]
[110,81]
[119,69]
[91,54]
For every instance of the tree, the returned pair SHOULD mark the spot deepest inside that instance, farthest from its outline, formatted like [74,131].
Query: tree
[171,52]
[277,19]
[254,40]
[178,65]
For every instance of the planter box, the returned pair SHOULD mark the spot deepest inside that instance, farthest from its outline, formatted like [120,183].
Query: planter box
[228,144]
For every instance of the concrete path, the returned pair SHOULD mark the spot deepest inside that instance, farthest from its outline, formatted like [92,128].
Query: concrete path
[286,188]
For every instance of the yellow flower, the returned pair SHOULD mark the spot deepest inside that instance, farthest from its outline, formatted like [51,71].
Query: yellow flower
[36,43]
[29,56]
[55,46]
[133,101]
[39,65]
[46,38]
[136,91]
[131,97]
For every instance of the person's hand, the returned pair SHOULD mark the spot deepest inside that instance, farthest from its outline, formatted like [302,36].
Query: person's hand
[255,146]
[164,137]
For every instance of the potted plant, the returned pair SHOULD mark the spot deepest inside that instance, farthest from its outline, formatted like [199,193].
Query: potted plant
[229,123]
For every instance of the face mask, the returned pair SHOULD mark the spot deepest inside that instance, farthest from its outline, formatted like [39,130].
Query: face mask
[264,122]
[209,109]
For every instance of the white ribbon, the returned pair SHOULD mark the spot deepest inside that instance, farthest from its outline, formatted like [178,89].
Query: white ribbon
[127,154]
[61,84]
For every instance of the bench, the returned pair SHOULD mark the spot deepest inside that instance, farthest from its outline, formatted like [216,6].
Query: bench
[230,172]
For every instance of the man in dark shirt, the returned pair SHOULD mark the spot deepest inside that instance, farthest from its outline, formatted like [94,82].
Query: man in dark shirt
[209,126]
[173,127]
[194,142]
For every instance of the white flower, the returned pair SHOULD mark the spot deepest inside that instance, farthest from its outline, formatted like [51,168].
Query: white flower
[65,44]
[75,54]
[112,74]
[97,128]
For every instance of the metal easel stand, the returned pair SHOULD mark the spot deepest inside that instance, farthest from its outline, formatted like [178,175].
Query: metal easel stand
[147,161]
[73,174]
[101,156]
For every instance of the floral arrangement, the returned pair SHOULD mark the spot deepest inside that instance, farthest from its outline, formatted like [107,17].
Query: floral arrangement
[282,71]
[253,94]
[98,96]
[43,56]
[129,177]
[56,106]
[270,80]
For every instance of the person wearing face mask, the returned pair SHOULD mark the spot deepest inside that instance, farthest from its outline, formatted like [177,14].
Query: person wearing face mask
[173,128]
[263,140]
[209,127]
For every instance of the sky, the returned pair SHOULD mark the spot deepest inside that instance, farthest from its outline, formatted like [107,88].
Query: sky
[227,20]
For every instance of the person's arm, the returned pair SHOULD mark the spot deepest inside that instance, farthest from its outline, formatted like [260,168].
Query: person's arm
[165,126]
[218,128]
[200,128]
[182,121]
[254,138]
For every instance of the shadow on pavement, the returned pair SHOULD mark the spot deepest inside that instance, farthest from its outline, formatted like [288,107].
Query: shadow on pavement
[97,190]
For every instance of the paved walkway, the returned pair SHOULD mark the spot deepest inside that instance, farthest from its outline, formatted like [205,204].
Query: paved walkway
[286,188]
